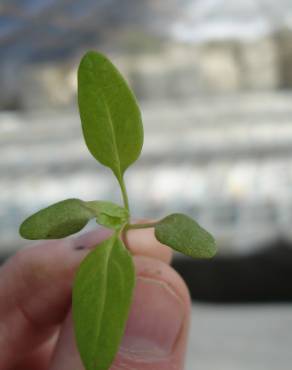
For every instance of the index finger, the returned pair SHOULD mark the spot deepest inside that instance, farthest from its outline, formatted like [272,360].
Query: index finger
[35,290]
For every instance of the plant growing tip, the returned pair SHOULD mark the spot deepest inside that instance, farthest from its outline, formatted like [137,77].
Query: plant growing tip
[104,283]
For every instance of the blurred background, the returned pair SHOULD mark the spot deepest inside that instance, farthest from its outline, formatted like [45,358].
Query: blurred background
[214,81]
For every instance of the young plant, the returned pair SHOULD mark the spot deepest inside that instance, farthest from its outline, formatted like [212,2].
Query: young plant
[104,283]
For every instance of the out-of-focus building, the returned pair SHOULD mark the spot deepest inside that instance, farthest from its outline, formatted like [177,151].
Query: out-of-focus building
[186,48]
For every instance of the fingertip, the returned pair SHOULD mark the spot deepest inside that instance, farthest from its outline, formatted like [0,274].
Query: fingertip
[142,242]
[159,270]
[157,328]
[92,238]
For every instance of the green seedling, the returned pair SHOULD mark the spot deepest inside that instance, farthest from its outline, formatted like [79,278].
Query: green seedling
[104,283]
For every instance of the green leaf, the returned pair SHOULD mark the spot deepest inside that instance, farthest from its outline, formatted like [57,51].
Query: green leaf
[102,295]
[110,116]
[183,234]
[109,214]
[56,221]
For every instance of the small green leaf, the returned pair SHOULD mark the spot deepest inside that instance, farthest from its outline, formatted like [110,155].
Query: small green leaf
[183,234]
[110,116]
[56,221]
[102,295]
[109,214]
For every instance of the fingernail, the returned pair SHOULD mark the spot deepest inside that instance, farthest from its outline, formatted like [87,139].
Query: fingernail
[154,323]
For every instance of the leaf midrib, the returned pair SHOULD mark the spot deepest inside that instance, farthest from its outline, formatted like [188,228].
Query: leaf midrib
[111,125]
[110,247]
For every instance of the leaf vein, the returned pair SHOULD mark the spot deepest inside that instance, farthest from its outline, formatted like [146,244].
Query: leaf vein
[114,139]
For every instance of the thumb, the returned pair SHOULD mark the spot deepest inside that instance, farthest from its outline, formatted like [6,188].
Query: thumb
[156,332]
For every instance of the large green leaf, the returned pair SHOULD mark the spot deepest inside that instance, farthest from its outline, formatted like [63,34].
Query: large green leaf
[110,116]
[102,295]
[185,235]
[70,216]
[56,221]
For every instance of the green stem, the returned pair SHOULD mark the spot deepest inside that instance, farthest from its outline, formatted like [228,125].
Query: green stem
[124,193]
[141,226]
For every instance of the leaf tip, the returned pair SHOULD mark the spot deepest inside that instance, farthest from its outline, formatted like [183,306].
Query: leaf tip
[23,230]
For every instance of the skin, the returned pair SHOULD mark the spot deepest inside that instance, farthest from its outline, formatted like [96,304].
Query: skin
[35,294]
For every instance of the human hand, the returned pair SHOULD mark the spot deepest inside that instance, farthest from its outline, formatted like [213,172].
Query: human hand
[35,293]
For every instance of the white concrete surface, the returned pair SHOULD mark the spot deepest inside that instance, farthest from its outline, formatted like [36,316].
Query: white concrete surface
[240,337]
